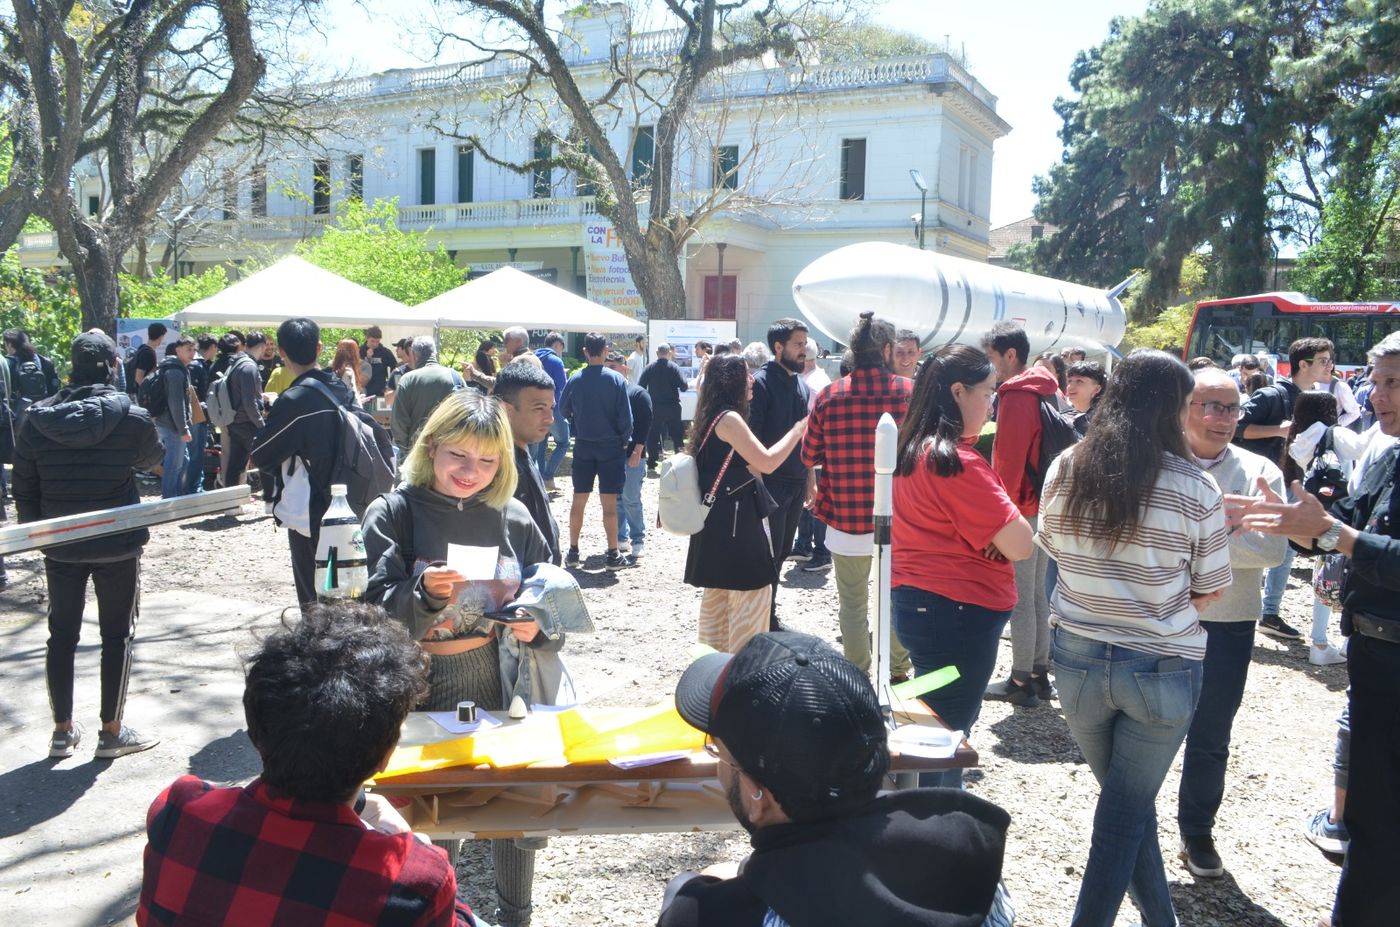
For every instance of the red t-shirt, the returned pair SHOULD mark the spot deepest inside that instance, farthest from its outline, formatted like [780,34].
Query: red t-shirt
[942,525]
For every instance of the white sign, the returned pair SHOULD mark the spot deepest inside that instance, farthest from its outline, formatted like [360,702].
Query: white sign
[605,268]
[681,335]
[131,334]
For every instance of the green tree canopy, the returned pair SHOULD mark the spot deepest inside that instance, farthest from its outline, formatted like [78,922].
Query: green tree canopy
[366,246]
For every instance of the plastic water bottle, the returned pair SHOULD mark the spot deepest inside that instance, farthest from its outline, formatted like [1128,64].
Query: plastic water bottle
[342,571]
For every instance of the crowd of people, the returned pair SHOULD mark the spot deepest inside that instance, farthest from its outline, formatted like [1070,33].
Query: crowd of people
[1131,531]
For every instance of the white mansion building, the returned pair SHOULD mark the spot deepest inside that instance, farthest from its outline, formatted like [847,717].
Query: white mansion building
[805,159]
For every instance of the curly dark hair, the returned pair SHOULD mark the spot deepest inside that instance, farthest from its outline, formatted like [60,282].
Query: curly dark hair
[1309,409]
[325,698]
[1111,473]
[726,387]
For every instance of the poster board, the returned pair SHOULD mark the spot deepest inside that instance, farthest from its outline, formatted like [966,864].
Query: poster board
[608,276]
[131,334]
[681,335]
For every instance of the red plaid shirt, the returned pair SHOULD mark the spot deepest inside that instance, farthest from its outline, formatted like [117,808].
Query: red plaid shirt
[250,856]
[841,440]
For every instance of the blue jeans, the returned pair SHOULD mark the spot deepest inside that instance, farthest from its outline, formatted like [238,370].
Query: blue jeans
[631,523]
[548,465]
[194,469]
[1129,712]
[1229,645]
[177,454]
[939,632]
[811,534]
[1276,581]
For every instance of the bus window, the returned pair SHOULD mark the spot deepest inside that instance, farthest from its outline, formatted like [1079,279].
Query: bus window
[1274,335]
[1221,333]
[1381,326]
[1348,336]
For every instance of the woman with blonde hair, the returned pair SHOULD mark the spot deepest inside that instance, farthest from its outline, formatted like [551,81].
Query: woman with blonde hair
[458,488]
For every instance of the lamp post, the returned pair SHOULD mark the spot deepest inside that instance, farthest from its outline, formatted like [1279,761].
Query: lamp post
[918,179]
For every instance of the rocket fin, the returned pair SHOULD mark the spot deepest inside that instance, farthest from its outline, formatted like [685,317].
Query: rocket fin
[1118,290]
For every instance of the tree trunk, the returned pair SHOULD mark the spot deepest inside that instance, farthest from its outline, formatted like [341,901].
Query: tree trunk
[96,276]
[657,275]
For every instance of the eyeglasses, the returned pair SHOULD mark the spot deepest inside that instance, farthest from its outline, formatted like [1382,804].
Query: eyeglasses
[712,749]
[1220,409]
[1323,361]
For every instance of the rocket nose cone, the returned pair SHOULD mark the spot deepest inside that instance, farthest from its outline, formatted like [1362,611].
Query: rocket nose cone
[836,287]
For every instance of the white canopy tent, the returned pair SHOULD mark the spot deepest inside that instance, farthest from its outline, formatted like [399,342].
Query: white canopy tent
[508,297]
[294,287]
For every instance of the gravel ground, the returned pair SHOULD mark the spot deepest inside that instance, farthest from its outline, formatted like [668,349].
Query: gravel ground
[1279,773]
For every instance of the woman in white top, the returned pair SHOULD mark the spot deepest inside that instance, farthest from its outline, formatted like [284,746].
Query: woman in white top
[1316,432]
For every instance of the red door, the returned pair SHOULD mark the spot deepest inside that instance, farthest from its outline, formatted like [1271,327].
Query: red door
[715,307]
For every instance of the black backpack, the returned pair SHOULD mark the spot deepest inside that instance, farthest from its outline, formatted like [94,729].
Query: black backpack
[362,460]
[31,384]
[1057,434]
[1324,477]
[150,395]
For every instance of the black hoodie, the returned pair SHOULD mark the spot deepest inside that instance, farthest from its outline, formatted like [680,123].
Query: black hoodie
[929,857]
[78,451]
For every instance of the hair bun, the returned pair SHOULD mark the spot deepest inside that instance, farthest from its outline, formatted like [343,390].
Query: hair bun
[867,315]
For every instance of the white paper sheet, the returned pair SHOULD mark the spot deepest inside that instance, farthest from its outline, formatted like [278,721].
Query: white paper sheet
[474,563]
[648,759]
[448,721]
[920,740]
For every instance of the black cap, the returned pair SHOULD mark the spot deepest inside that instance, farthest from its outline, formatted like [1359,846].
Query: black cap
[92,352]
[796,715]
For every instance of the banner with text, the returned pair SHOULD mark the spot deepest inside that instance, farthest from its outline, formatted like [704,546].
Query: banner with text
[605,266]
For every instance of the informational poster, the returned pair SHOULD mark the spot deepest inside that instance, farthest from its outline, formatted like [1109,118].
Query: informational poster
[681,335]
[605,268]
[131,334]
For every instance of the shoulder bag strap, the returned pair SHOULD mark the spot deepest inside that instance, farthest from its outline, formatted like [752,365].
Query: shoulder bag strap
[724,467]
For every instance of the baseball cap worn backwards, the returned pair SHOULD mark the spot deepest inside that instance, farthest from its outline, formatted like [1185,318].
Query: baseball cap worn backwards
[92,351]
[796,715]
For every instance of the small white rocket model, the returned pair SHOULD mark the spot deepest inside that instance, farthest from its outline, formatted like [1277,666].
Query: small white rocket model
[947,299]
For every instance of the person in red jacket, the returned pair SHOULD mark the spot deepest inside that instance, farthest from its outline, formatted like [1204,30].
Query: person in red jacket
[1016,458]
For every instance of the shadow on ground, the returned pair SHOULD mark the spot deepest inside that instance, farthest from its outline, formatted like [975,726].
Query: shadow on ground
[1295,658]
[41,791]
[228,759]
[1218,901]
[1036,735]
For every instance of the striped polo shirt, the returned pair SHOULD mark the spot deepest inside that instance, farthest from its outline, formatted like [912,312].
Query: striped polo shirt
[1138,594]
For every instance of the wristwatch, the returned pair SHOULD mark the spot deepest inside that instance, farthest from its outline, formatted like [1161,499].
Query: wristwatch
[1329,538]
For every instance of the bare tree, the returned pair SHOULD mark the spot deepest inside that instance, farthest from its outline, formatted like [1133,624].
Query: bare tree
[99,82]
[661,85]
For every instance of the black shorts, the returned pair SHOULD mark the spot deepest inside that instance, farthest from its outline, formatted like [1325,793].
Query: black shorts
[611,472]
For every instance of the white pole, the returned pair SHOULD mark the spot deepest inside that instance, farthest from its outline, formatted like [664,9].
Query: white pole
[886,452]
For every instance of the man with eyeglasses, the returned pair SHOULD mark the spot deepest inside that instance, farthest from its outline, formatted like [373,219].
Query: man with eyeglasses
[802,754]
[1228,622]
[1263,429]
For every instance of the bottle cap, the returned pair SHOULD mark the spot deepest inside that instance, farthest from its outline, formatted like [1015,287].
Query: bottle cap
[339,489]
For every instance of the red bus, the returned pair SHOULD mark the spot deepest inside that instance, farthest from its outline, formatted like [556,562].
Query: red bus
[1270,322]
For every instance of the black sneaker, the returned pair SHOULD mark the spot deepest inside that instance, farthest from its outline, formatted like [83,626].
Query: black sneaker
[614,561]
[571,558]
[818,563]
[1044,688]
[1022,696]
[1274,626]
[1200,857]
[801,556]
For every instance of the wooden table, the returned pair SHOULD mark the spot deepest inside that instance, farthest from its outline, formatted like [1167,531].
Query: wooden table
[559,798]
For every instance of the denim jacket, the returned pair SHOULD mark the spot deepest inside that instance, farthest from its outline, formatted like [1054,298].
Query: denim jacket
[537,673]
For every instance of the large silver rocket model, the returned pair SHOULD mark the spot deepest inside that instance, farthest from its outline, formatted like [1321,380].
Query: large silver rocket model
[946,299]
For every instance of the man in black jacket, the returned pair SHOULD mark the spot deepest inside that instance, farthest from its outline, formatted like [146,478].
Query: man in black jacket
[1365,527]
[802,753]
[527,393]
[779,402]
[663,380]
[303,430]
[245,388]
[78,451]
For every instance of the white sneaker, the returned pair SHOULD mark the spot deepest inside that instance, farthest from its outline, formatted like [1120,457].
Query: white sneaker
[1325,656]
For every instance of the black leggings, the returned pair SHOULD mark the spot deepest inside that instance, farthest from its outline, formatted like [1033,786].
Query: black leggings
[118,588]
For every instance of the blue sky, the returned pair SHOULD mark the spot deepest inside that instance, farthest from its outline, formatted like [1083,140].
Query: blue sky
[1021,50]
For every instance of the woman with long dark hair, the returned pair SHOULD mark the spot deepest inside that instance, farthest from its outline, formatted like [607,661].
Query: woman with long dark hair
[1138,530]
[481,372]
[731,558]
[955,529]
